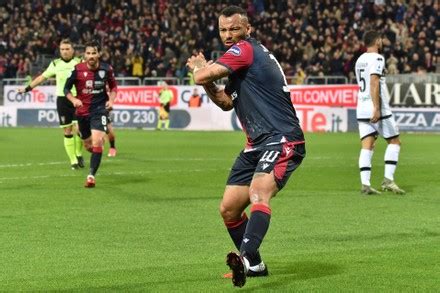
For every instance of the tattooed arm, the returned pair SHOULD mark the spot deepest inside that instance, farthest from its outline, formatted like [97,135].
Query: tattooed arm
[218,96]
[205,74]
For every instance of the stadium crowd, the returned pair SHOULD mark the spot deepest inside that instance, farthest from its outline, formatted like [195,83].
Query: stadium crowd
[149,38]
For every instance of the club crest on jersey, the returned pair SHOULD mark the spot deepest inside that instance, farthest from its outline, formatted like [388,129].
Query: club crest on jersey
[101,73]
[85,74]
[234,50]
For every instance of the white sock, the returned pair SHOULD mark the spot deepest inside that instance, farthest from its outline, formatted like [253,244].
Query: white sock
[246,265]
[365,166]
[258,268]
[391,159]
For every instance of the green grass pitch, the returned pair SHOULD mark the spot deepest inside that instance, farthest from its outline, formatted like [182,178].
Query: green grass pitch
[152,222]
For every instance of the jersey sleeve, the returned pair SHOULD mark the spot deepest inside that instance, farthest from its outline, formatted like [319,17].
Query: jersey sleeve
[377,65]
[50,70]
[239,56]
[112,84]
[70,82]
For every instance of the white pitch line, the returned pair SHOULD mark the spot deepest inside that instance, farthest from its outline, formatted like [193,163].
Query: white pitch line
[104,173]
[30,164]
[19,165]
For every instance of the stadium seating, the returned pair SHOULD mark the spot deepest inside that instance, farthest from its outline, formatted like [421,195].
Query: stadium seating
[155,37]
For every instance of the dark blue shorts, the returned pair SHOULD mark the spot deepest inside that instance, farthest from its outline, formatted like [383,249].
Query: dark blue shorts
[282,159]
[95,121]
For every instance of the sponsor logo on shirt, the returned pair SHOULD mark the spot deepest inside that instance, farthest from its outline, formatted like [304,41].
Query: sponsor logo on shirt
[234,50]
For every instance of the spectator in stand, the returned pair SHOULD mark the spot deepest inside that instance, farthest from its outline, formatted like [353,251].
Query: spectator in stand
[195,101]
[3,65]
[137,63]
[415,62]
[163,30]
[11,69]
[300,75]
[392,65]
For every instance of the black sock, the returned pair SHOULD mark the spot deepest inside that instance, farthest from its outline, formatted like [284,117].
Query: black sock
[255,231]
[112,143]
[236,230]
[95,160]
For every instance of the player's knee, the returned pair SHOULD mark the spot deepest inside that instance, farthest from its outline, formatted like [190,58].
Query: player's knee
[258,199]
[224,212]
[228,213]
[262,193]
[88,146]
[368,146]
[395,140]
[98,142]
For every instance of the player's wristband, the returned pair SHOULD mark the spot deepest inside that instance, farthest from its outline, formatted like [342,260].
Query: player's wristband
[27,89]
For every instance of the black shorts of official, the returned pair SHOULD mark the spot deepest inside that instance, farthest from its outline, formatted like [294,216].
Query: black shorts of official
[66,111]
[166,107]
[282,159]
[95,121]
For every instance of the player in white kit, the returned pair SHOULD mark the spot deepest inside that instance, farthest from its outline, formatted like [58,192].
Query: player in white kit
[374,115]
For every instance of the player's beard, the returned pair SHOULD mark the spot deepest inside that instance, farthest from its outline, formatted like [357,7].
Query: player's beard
[92,63]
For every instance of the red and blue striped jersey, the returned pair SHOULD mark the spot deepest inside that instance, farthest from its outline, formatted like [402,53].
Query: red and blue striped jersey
[260,95]
[91,87]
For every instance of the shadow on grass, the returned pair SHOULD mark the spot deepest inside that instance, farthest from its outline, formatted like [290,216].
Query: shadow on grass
[121,180]
[284,274]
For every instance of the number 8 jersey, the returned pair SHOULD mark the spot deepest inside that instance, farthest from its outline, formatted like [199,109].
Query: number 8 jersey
[367,65]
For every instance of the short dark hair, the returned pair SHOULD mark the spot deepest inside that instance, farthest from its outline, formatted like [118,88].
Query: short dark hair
[66,42]
[370,37]
[93,44]
[233,9]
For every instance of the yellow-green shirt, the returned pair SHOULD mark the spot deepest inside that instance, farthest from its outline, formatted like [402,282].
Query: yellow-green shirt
[165,96]
[61,70]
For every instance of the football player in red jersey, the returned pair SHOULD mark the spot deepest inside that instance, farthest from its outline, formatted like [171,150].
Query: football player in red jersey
[91,79]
